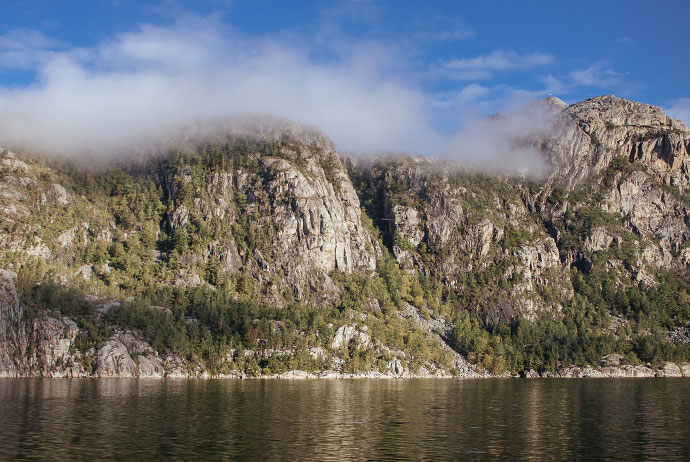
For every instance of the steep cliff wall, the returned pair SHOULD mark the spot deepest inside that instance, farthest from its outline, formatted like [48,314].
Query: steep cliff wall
[592,133]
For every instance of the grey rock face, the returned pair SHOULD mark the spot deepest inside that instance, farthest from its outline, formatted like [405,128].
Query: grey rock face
[407,223]
[685,369]
[601,372]
[57,193]
[114,360]
[652,211]
[592,133]
[298,199]
[669,370]
[442,224]
[125,355]
[317,225]
[538,257]
[45,348]
[11,163]
[54,353]
[13,336]
[85,271]
[227,253]
[175,367]
[600,239]
[349,333]
[441,331]
[439,227]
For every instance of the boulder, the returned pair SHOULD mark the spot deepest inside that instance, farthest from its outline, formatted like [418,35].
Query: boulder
[669,370]
[125,355]
[58,194]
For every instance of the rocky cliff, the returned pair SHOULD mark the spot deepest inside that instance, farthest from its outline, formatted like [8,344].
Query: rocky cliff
[257,252]
[591,134]
[633,160]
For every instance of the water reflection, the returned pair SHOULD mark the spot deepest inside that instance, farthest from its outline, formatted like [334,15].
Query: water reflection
[344,419]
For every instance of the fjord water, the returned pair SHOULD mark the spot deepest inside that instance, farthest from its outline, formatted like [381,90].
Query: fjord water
[551,419]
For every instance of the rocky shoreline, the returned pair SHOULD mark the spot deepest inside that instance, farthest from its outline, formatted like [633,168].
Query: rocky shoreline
[625,371]
[572,372]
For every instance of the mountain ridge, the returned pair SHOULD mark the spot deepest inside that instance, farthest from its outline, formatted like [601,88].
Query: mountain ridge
[262,253]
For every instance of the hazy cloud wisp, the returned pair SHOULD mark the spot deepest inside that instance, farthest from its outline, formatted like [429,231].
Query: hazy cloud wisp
[505,143]
[481,67]
[680,109]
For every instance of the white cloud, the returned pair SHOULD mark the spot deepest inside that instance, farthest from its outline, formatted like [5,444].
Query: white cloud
[597,76]
[617,74]
[555,86]
[24,49]
[482,67]
[443,29]
[679,109]
[141,86]
[504,143]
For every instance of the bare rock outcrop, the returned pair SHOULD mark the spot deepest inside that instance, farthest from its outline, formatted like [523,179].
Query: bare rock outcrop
[407,223]
[685,369]
[651,210]
[293,199]
[669,370]
[125,355]
[438,226]
[46,347]
[54,353]
[58,194]
[600,239]
[13,335]
[441,331]
[570,372]
[318,221]
[592,133]
[349,333]
[637,158]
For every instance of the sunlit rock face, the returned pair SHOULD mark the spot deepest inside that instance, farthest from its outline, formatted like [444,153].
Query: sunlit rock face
[634,153]
[592,133]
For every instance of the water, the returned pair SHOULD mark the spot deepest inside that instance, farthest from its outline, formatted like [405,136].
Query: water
[621,419]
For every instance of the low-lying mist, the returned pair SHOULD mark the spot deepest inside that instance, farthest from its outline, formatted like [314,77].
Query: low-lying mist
[140,89]
[505,143]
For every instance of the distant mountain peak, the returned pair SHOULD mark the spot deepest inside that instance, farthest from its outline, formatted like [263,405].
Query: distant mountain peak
[554,102]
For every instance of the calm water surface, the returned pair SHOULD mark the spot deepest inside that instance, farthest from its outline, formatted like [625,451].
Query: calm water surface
[622,419]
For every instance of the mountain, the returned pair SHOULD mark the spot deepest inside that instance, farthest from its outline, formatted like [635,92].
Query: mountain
[263,251]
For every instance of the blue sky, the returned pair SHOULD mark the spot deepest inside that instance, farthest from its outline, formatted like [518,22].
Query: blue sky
[345,66]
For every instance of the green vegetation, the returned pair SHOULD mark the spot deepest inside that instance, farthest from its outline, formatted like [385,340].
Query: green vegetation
[482,303]
[165,239]
[582,335]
